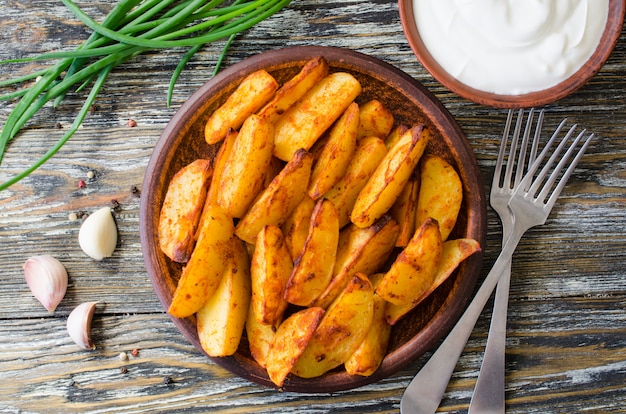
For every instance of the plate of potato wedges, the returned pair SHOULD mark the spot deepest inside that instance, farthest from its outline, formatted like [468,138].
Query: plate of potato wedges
[313,219]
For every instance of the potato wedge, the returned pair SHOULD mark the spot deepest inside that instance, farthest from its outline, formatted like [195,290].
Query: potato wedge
[218,166]
[318,109]
[453,253]
[278,201]
[342,329]
[271,268]
[182,209]
[254,91]
[376,120]
[404,210]
[260,336]
[296,228]
[313,269]
[335,156]
[395,135]
[440,195]
[359,251]
[368,154]
[203,272]
[290,341]
[369,355]
[415,268]
[390,177]
[295,88]
[273,170]
[221,321]
[244,170]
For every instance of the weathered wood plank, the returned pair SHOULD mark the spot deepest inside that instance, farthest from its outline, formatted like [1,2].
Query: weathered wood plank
[567,329]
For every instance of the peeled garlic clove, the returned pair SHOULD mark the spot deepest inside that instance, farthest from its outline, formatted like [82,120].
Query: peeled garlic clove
[98,234]
[47,279]
[79,325]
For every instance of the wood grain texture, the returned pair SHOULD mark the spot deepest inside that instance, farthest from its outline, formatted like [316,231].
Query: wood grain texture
[567,325]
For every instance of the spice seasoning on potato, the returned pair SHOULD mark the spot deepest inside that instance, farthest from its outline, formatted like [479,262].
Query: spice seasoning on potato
[306,121]
[245,167]
[251,94]
[390,177]
[313,268]
[182,208]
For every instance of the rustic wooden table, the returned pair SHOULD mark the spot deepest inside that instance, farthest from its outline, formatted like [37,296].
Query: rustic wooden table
[567,324]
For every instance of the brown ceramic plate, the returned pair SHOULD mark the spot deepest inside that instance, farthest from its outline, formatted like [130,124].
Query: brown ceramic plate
[590,68]
[183,141]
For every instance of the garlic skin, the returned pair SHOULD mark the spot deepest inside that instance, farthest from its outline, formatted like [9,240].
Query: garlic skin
[79,325]
[98,234]
[47,279]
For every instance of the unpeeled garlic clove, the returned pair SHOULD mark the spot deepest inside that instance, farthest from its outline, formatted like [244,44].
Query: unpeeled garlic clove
[79,325]
[47,279]
[98,234]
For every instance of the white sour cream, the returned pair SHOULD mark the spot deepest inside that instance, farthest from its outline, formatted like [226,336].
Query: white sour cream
[511,47]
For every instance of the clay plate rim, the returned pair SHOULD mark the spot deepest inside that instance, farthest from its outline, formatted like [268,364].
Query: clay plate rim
[448,301]
[609,38]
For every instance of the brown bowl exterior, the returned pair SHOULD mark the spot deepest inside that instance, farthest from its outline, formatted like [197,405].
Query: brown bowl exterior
[183,141]
[533,99]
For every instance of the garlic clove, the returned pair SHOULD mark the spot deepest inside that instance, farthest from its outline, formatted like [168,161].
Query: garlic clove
[47,279]
[98,234]
[79,325]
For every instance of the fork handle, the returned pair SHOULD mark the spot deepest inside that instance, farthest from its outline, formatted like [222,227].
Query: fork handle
[488,395]
[424,393]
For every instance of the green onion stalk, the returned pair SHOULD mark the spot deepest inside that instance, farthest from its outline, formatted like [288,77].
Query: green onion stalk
[132,27]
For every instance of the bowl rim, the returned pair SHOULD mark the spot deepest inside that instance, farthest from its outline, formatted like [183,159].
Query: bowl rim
[453,306]
[609,38]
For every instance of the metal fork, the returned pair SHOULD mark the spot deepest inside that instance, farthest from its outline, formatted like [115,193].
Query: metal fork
[531,204]
[488,394]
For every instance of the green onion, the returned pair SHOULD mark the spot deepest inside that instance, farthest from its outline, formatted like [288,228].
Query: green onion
[131,28]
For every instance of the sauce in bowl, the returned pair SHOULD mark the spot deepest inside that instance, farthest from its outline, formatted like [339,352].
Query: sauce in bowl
[511,47]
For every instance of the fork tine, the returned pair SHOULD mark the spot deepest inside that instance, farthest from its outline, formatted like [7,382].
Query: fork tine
[538,181]
[535,146]
[570,169]
[521,160]
[513,149]
[503,142]
[532,169]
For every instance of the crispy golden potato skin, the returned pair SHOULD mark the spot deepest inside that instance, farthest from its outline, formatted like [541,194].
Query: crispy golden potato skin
[218,166]
[182,208]
[202,274]
[260,336]
[386,183]
[367,156]
[404,210]
[246,165]
[440,195]
[305,122]
[369,355]
[294,89]
[253,92]
[375,120]
[290,341]
[453,253]
[415,268]
[278,201]
[296,228]
[271,268]
[313,268]
[221,321]
[342,329]
[359,251]
[334,158]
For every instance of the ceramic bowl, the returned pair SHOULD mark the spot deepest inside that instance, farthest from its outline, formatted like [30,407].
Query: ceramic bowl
[608,40]
[183,141]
